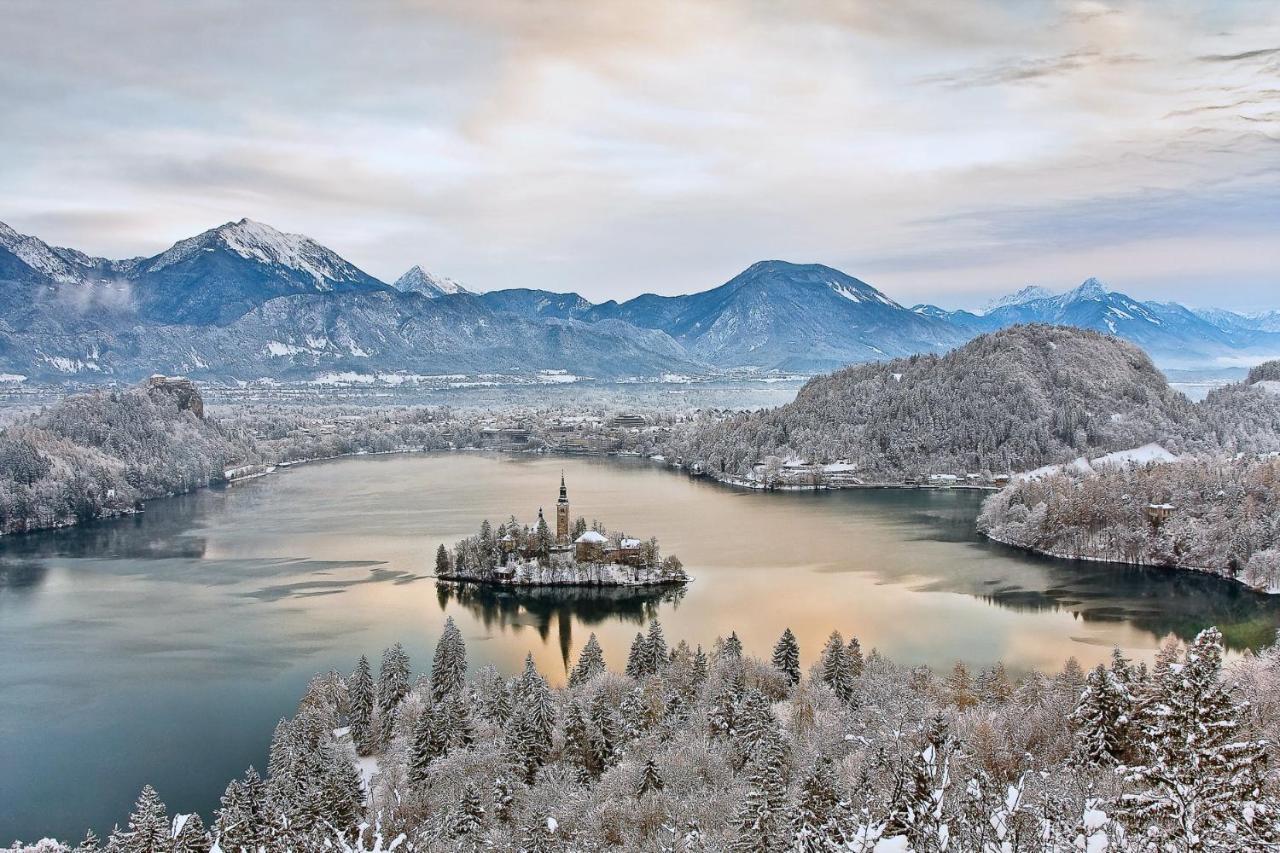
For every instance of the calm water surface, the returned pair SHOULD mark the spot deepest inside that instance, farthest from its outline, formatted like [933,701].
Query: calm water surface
[164,648]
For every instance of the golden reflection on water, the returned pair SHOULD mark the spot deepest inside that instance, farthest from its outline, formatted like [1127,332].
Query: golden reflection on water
[870,564]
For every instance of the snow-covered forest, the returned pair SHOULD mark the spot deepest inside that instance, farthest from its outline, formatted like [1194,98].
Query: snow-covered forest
[1006,402]
[100,454]
[716,750]
[1216,515]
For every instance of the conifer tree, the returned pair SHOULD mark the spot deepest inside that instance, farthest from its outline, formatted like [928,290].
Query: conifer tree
[833,667]
[243,821]
[470,817]
[606,736]
[762,818]
[503,797]
[429,743]
[449,666]
[637,658]
[918,812]
[90,844]
[590,663]
[360,706]
[1102,719]
[1195,772]
[650,780]
[148,830]
[786,656]
[853,657]
[655,649]
[577,742]
[189,835]
[701,667]
[815,826]
[443,566]
[341,792]
[393,685]
[733,647]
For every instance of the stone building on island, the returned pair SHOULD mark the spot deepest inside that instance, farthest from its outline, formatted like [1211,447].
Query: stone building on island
[574,554]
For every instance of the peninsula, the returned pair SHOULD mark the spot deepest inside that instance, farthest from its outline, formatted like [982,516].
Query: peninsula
[575,555]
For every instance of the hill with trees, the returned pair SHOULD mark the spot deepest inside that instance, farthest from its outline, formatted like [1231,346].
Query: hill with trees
[1007,401]
[103,453]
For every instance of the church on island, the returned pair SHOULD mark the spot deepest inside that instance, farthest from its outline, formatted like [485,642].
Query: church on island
[575,555]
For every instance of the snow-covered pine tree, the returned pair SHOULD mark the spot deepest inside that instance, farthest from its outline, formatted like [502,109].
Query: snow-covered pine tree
[529,735]
[918,812]
[590,663]
[444,726]
[443,566]
[148,830]
[469,819]
[815,822]
[360,707]
[606,734]
[701,667]
[733,647]
[786,656]
[1102,720]
[853,657]
[244,821]
[90,844]
[493,696]
[650,779]
[637,658]
[393,685]
[189,835]
[503,797]
[761,819]
[833,667]
[1196,774]
[341,792]
[655,649]
[449,665]
[578,750]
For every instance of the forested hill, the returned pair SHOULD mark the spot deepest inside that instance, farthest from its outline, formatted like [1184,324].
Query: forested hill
[100,454]
[1012,400]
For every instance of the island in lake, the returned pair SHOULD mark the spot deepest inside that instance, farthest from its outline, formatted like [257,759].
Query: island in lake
[575,555]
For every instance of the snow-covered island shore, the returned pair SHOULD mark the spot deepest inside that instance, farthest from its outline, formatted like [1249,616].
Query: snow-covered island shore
[1215,515]
[575,555]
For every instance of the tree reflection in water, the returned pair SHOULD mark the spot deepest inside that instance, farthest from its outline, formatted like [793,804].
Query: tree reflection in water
[539,607]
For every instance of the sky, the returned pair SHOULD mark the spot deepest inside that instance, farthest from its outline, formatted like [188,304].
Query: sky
[943,152]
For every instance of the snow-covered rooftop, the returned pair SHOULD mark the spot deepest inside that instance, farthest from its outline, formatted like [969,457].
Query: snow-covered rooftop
[591,537]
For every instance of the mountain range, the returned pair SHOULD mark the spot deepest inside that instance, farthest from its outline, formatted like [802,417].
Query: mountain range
[244,302]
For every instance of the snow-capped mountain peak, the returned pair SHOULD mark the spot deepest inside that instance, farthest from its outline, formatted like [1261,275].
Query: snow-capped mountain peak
[1030,293]
[260,242]
[1090,288]
[62,265]
[418,280]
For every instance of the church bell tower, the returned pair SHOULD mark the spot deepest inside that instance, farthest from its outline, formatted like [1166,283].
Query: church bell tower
[562,514]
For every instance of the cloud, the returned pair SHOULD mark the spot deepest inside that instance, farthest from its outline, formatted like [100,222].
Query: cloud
[604,149]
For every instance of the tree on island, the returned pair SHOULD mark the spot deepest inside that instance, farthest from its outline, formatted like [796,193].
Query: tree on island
[443,564]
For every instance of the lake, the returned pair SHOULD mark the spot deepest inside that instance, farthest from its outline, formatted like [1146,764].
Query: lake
[163,648]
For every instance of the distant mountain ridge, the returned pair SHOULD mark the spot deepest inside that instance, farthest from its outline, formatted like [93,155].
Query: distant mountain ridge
[245,301]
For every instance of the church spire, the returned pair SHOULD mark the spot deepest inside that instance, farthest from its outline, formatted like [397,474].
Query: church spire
[564,493]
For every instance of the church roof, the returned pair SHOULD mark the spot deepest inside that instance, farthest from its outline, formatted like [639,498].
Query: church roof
[591,537]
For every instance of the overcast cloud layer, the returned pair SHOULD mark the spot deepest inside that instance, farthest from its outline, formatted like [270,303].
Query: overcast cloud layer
[942,151]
